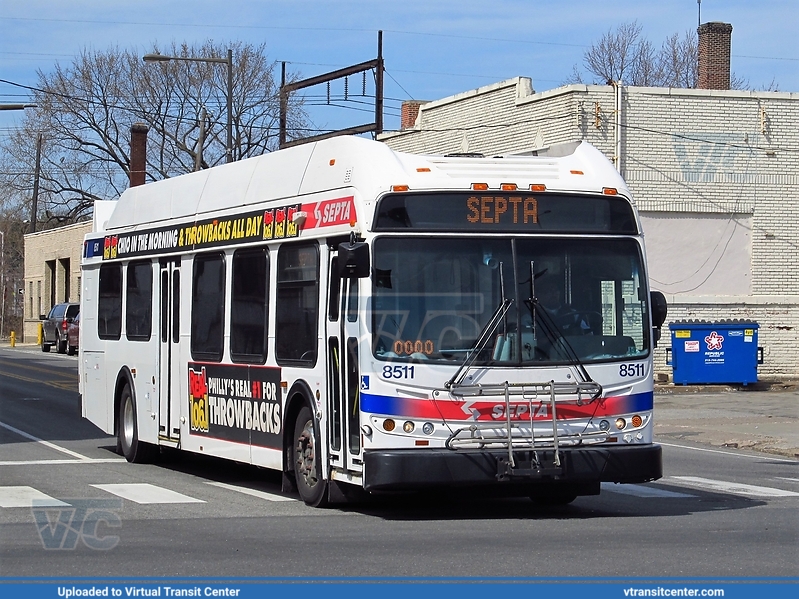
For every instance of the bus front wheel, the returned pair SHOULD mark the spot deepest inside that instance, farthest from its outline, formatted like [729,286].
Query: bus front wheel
[128,443]
[307,460]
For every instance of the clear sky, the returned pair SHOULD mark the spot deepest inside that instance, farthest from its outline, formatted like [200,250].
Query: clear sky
[432,48]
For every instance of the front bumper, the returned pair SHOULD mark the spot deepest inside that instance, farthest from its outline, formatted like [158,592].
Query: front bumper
[398,469]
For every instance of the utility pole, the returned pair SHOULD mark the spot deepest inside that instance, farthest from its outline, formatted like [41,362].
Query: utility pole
[198,156]
[35,199]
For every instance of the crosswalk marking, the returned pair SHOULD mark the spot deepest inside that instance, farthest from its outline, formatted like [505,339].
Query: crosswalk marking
[145,493]
[252,492]
[643,491]
[27,497]
[734,488]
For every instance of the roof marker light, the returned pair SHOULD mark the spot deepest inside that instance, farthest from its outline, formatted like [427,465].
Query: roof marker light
[480,186]
[508,187]
[399,188]
[577,172]
[609,191]
[538,187]
[422,169]
[332,161]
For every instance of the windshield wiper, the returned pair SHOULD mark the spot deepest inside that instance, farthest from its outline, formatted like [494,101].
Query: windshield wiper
[479,345]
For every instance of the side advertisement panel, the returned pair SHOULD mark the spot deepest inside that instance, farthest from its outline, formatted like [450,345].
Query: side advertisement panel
[236,403]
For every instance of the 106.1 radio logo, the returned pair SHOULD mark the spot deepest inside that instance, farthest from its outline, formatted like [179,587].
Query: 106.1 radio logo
[198,400]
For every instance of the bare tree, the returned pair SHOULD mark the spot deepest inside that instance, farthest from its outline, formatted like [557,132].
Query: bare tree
[622,54]
[85,110]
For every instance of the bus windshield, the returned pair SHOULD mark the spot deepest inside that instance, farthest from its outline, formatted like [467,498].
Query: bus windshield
[572,298]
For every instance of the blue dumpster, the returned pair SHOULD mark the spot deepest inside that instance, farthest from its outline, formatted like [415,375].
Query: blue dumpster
[714,352]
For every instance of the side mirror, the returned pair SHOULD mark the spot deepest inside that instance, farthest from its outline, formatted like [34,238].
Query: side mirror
[353,260]
[659,308]
[659,311]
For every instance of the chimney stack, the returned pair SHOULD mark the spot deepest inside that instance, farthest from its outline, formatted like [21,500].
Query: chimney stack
[714,55]
[408,113]
[138,153]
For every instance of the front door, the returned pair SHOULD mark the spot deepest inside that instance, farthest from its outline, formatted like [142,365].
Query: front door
[343,380]
[169,339]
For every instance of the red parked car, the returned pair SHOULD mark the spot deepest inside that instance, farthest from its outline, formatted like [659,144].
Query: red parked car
[73,335]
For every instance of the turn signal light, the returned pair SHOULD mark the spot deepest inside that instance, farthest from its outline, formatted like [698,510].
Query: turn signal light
[389,424]
[637,421]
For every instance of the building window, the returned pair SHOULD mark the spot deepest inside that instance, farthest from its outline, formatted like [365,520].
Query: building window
[139,301]
[248,310]
[109,302]
[297,304]
[208,307]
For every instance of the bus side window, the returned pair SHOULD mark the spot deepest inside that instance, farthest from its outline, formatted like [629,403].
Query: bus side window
[109,302]
[248,313]
[208,307]
[297,304]
[139,301]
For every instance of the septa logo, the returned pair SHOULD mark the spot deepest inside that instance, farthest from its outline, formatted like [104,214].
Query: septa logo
[714,340]
[198,400]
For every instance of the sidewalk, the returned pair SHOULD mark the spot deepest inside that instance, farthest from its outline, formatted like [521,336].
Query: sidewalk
[760,417]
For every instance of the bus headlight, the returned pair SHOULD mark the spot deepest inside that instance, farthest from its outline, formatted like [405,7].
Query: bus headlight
[620,423]
[408,426]
[604,425]
[428,428]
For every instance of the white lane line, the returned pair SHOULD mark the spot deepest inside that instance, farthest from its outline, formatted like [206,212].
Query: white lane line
[734,488]
[27,497]
[253,492]
[643,491]
[793,480]
[765,456]
[146,493]
[59,462]
[43,442]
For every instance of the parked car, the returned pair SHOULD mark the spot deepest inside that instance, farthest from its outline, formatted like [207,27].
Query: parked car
[73,335]
[55,326]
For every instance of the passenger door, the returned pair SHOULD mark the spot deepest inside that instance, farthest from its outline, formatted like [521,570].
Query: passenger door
[169,340]
[343,380]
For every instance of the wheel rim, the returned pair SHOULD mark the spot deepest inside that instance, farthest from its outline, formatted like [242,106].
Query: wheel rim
[127,423]
[306,455]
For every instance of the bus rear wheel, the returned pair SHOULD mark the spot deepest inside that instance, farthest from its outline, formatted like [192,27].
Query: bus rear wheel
[128,443]
[307,461]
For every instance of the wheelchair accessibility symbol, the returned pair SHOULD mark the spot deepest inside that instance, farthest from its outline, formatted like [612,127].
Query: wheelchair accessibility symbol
[365,383]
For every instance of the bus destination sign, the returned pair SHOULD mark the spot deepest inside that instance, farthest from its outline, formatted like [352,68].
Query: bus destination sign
[506,213]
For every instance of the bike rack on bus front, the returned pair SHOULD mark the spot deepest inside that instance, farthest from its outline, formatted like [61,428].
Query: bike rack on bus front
[486,435]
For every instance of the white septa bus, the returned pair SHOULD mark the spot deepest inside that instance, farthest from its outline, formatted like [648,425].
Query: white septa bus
[367,320]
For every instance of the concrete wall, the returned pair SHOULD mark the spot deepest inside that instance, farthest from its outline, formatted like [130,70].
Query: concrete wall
[52,272]
[725,158]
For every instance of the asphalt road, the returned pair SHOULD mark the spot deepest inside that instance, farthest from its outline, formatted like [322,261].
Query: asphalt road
[718,511]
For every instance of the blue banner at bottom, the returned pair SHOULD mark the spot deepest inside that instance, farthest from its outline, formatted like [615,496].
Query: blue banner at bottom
[400,589]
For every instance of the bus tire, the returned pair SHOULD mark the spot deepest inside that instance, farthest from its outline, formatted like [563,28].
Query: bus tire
[128,443]
[306,459]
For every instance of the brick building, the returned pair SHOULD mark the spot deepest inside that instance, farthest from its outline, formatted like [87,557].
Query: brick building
[714,173]
[52,272]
